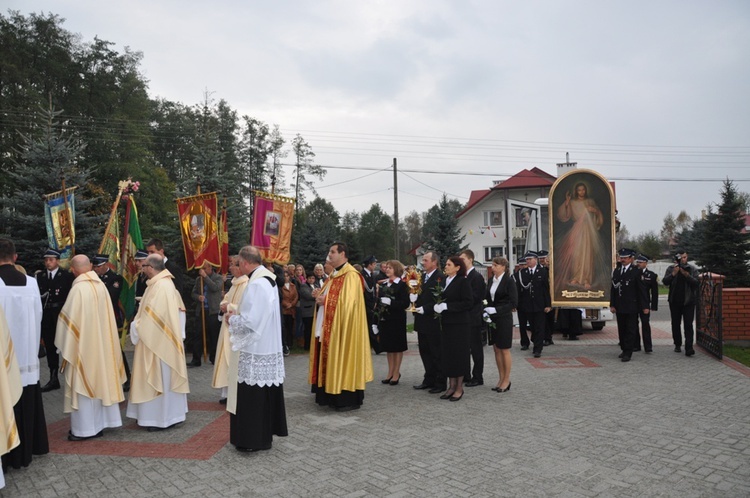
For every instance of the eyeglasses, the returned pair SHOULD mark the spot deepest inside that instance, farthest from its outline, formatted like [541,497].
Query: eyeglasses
[146,266]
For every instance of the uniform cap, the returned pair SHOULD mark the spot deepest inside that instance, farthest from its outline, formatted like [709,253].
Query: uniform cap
[100,259]
[52,253]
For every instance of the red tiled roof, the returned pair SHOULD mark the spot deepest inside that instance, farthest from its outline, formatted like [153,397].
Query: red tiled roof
[527,179]
[523,179]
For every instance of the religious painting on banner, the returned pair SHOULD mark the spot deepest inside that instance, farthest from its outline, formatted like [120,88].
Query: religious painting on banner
[582,239]
[199,225]
[273,217]
[60,218]
[224,240]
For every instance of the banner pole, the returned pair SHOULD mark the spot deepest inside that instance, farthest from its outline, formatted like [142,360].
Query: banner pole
[67,209]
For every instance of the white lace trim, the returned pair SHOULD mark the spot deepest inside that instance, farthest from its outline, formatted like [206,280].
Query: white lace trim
[261,369]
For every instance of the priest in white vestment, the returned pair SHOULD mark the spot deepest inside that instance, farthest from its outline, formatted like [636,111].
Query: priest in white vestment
[256,372]
[159,383]
[87,338]
[10,392]
[22,304]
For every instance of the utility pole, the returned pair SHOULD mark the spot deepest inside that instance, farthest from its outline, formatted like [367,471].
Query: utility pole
[395,208]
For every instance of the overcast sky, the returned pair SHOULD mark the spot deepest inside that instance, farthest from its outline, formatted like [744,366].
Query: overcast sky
[639,91]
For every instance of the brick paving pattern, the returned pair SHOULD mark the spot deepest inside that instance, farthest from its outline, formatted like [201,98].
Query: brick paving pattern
[576,422]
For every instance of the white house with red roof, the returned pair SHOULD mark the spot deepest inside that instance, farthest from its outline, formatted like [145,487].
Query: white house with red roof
[504,219]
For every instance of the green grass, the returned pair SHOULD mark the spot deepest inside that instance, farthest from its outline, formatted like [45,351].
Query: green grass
[663,290]
[737,353]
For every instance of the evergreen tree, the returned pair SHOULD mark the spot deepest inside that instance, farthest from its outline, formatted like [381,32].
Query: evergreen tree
[316,229]
[725,248]
[45,159]
[376,233]
[348,235]
[441,231]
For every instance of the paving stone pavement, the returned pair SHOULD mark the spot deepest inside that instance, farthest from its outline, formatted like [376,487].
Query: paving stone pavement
[577,423]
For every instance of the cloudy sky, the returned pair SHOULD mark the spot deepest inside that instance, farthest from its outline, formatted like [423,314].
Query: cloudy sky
[653,95]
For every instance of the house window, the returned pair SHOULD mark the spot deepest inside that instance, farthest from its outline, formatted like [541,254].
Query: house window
[493,252]
[493,218]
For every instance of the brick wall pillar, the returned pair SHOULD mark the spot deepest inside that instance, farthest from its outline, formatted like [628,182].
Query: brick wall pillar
[736,311]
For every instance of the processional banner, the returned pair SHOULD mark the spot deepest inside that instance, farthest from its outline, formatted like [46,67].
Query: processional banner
[273,217]
[199,227]
[60,219]
[582,239]
[129,271]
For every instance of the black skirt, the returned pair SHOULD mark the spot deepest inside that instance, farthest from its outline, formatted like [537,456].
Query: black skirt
[502,335]
[32,429]
[261,414]
[454,349]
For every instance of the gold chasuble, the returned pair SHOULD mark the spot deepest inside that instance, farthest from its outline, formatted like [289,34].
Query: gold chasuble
[344,362]
[10,389]
[160,338]
[87,338]
[224,348]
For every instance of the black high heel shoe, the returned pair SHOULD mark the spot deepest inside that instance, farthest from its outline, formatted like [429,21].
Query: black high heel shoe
[395,382]
[386,381]
[500,390]
[447,395]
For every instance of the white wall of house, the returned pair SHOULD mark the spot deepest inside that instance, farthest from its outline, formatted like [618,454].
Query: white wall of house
[492,211]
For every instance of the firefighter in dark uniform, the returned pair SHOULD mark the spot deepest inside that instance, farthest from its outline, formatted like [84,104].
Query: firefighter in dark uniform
[649,288]
[625,302]
[371,288]
[54,286]
[522,320]
[534,299]
[114,283]
[140,282]
[549,318]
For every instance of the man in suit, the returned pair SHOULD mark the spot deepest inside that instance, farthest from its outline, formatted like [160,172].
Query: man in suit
[649,289]
[476,324]
[534,300]
[522,320]
[207,293]
[54,286]
[682,279]
[625,302]
[368,273]
[428,327]
[156,246]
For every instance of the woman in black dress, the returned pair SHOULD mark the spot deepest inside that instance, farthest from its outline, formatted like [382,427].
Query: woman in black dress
[454,316]
[502,299]
[392,303]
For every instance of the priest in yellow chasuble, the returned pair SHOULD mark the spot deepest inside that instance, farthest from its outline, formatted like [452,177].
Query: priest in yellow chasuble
[159,382]
[87,338]
[10,392]
[231,303]
[340,362]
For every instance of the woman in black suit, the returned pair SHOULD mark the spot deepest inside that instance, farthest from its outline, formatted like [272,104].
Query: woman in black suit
[502,299]
[454,316]
[392,304]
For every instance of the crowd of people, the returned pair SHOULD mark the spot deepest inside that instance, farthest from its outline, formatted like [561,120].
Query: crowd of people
[248,321]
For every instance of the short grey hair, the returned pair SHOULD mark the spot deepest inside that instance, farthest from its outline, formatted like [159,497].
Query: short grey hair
[156,262]
[251,254]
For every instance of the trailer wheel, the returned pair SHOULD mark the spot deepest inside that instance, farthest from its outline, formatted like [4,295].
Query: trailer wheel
[597,325]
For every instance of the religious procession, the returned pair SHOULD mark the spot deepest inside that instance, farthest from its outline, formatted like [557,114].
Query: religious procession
[81,313]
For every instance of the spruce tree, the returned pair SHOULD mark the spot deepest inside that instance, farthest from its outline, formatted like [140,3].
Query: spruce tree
[441,231]
[46,157]
[725,248]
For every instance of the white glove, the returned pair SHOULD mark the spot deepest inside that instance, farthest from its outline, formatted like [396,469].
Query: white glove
[419,310]
[486,317]
[439,308]
[490,311]
[413,298]
[375,329]
[386,300]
